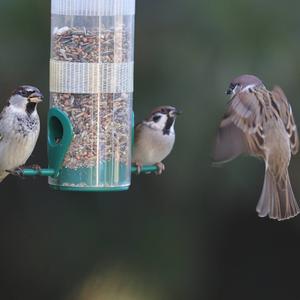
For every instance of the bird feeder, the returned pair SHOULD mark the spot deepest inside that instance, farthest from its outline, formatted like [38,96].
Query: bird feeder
[91,85]
[91,80]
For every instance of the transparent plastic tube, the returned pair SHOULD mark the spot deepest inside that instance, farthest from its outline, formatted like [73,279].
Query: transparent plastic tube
[91,79]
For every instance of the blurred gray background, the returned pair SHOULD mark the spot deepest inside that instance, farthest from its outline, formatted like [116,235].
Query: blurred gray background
[192,233]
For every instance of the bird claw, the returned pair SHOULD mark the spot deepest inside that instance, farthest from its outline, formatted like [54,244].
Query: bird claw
[138,168]
[19,171]
[16,172]
[161,167]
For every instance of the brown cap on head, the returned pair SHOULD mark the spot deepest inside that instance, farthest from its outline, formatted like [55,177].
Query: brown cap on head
[246,79]
[166,110]
[243,81]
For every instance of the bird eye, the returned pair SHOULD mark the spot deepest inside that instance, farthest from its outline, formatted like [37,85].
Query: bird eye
[23,93]
[156,118]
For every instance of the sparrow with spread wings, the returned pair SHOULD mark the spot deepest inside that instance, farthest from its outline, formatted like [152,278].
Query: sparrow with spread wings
[260,122]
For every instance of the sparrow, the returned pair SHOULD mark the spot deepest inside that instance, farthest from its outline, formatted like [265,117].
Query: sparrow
[154,138]
[260,123]
[19,128]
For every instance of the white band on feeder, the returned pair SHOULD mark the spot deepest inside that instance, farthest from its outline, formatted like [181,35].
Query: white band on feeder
[90,78]
[93,7]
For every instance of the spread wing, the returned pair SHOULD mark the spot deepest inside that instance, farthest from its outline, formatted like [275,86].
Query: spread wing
[241,130]
[286,114]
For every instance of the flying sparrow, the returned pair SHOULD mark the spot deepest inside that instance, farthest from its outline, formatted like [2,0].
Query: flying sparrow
[19,128]
[154,138]
[259,122]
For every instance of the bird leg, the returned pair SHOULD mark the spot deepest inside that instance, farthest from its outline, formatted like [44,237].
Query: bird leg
[138,168]
[161,167]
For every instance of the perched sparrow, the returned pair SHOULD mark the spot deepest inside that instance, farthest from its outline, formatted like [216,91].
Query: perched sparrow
[19,128]
[154,138]
[259,122]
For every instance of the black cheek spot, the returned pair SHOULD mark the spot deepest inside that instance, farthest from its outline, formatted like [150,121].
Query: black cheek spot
[156,118]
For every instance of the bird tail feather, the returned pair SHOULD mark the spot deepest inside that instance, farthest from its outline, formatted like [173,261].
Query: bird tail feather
[277,198]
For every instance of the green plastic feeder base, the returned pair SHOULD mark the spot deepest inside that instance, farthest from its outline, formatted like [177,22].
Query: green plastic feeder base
[88,189]
[107,176]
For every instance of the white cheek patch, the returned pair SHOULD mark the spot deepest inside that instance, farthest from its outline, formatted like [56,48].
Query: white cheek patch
[234,90]
[18,102]
[160,125]
[162,122]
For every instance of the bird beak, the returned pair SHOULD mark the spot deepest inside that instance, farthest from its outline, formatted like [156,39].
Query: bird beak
[175,112]
[36,97]
[229,91]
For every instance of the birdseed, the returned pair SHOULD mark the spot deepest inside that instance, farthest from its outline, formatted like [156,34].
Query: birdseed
[75,44]
[101,122]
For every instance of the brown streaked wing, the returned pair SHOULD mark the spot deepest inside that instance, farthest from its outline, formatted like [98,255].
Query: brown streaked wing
[287,117]
[245,111]
[241,129]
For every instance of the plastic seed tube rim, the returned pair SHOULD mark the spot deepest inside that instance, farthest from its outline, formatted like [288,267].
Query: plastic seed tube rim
[93,7]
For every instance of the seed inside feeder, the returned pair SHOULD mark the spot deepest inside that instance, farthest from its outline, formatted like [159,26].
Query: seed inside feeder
[101,121]
[78,44]
[100,125]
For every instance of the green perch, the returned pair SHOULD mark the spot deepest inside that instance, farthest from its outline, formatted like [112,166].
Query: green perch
[52,172]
